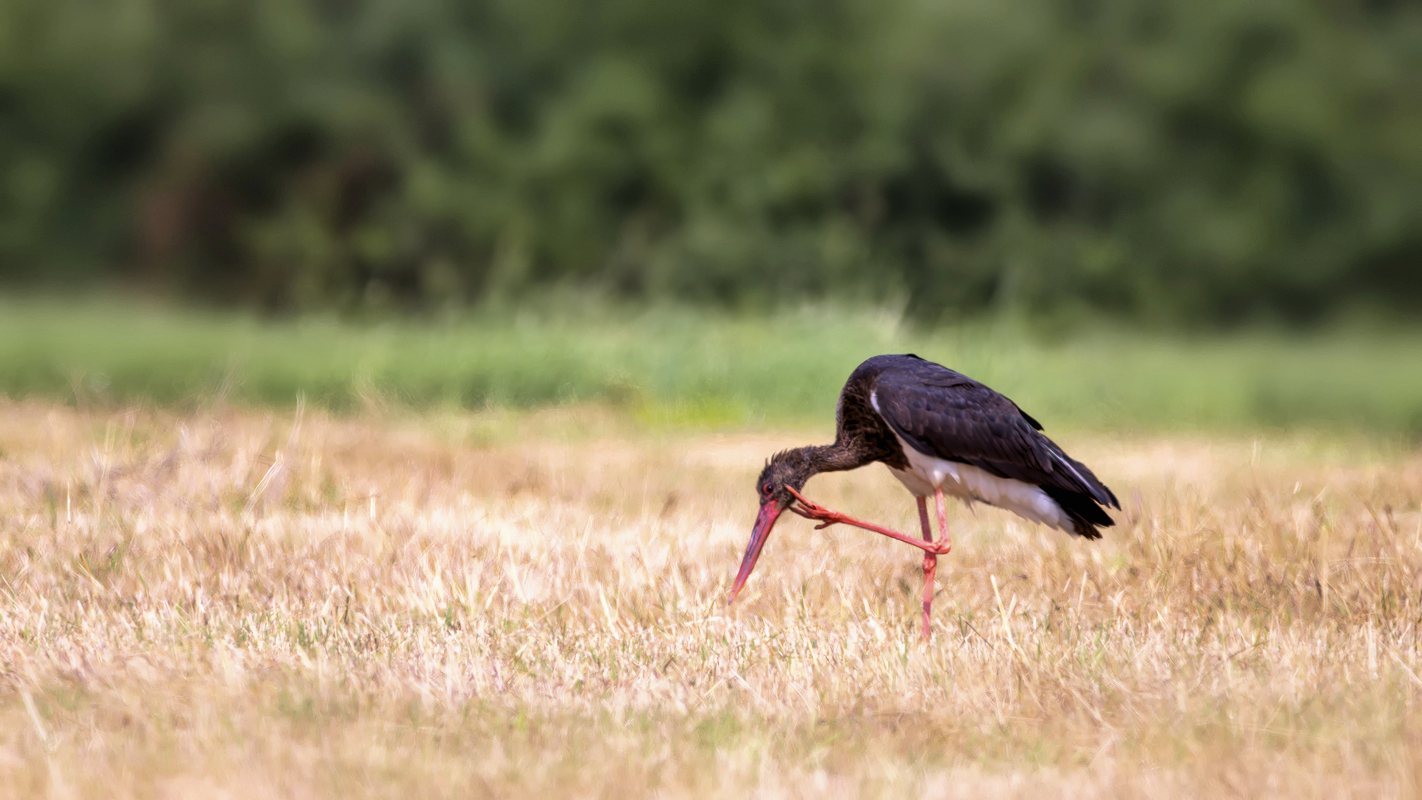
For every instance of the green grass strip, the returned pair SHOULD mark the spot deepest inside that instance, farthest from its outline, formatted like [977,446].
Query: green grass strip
[683,366]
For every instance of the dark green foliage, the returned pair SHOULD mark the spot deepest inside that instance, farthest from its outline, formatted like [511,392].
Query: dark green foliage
[1189,162]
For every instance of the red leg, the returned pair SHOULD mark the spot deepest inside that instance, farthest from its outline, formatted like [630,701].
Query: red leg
[826,517]
[945,544]
[930,564]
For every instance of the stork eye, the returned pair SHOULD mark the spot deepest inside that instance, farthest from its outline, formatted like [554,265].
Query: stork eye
[765,490]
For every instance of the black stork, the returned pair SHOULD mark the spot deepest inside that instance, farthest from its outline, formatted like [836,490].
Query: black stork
[938,432]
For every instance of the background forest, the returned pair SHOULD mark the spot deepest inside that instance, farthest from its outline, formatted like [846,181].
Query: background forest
[1190,165]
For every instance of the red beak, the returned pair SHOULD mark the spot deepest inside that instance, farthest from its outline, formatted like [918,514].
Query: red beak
[764,521]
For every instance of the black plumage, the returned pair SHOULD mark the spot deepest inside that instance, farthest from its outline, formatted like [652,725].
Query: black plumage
[940,432]
[948,415]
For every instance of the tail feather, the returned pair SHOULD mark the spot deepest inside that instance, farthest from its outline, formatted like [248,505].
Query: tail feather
[1082,509]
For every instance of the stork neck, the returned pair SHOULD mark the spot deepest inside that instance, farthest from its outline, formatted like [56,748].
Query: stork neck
[838,457]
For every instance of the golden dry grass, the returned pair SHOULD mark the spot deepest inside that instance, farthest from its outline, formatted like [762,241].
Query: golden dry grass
[233,604]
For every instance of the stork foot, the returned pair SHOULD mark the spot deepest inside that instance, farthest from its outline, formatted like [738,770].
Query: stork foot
[811,510]
[827,517]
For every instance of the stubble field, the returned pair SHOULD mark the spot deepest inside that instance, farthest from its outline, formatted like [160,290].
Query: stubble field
[230,603]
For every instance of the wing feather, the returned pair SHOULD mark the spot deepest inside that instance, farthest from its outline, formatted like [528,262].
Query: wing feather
[951,416]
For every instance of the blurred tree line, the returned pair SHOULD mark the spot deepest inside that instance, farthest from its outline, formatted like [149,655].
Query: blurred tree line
[1203,162]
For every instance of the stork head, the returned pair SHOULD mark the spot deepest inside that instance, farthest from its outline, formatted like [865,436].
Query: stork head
[788,468]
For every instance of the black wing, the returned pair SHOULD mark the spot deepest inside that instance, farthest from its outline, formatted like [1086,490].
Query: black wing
[945,414]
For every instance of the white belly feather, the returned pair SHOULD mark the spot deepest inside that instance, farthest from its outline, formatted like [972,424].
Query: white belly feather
[928,473]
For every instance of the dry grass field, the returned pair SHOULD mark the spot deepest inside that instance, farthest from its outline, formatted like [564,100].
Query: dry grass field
[227,603]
